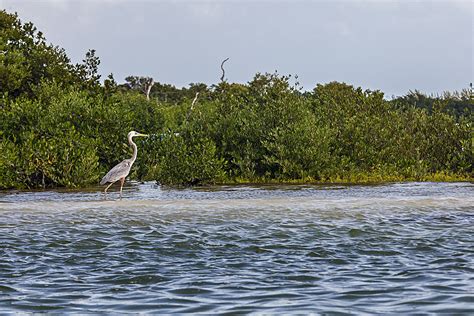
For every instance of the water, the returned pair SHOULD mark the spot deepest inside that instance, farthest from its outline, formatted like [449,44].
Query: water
[396,248]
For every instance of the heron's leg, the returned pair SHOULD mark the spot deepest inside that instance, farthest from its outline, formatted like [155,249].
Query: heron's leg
[122,180]
[105,191]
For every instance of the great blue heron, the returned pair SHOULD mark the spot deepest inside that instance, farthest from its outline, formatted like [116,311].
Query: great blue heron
[120,171]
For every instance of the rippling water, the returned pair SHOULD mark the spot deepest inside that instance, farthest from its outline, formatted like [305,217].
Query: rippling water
[397,248]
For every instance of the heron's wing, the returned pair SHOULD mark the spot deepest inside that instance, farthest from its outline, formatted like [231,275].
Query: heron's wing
[119,171]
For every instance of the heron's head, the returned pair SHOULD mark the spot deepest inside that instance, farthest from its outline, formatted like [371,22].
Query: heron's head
[136,134]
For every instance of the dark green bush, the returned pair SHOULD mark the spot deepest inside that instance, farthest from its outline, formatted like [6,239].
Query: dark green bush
[9,177]
[60,127]
[186,160]
[64,159]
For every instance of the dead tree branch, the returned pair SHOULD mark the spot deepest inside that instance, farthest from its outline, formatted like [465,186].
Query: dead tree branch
[194,101]
[192,106]
[148,85]
[222,67]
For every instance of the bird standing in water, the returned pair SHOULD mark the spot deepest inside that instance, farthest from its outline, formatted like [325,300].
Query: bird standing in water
[121,170]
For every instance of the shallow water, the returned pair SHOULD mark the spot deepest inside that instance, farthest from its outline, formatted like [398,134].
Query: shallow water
[396,248]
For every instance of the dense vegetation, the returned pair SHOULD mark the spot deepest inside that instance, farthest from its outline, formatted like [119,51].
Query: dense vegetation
[60,126]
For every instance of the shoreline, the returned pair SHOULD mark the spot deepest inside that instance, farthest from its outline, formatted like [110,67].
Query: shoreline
[358,180]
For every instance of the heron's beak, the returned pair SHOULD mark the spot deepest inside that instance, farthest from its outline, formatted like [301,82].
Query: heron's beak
[144,135]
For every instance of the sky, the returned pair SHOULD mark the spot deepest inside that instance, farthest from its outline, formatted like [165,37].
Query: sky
[392,46]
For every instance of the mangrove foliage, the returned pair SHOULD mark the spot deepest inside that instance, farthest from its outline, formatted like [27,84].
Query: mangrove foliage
[60,125]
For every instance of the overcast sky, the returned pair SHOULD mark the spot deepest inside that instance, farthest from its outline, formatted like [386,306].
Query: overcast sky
[393,46]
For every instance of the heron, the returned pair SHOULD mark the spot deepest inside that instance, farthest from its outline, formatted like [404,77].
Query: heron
[121,170]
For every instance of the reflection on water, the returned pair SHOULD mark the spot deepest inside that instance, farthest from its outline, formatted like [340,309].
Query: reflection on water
[398,248]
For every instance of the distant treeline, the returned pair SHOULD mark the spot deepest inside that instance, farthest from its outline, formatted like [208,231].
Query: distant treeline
[456,103]
[60,126]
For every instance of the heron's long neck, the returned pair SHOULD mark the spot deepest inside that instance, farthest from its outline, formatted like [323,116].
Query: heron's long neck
[134,146]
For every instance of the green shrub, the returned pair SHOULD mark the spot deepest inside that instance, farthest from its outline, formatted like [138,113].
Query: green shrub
[65,159]
[186,160]
[9,161]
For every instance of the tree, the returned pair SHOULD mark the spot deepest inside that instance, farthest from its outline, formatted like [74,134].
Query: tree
[142,84]
[88,72]
[26,60]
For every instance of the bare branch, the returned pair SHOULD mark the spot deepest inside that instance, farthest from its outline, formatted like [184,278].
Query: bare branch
[222,67]
[194,101]
[192,107]
[148,87]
